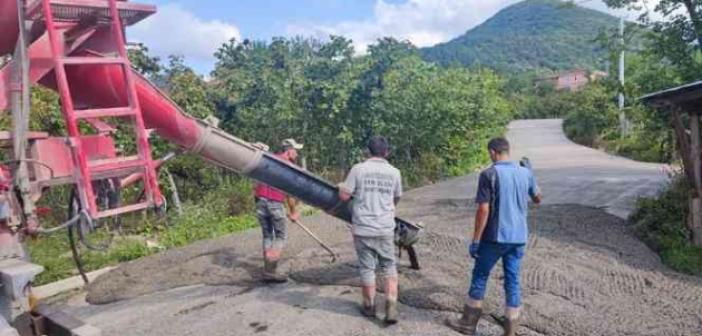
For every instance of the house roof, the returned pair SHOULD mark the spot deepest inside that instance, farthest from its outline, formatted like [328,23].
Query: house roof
[560,74]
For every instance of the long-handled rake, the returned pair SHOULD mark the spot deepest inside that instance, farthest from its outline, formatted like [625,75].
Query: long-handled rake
[319,241]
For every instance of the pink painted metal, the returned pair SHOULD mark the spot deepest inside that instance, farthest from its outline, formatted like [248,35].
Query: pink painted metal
[160,113]
[83,178]
[41,64]
[9,29]
[101,126]
[55,153]
[153,192]
[136,177]
[130,108]
[99,87]
[75,10]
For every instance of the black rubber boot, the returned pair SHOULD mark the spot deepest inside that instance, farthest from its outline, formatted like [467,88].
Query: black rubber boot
[368,311]
[270,272]
[510,327]
[468,322]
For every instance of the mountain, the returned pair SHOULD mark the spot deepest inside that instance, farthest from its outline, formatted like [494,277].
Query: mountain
[533,34]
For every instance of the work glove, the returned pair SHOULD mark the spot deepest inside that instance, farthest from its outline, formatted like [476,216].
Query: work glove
[473,249]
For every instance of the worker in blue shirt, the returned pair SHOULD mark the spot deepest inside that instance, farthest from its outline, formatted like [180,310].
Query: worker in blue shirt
[500,232]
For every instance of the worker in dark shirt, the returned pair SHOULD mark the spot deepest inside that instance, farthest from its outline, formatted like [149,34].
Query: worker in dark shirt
[270,211]
[500,232]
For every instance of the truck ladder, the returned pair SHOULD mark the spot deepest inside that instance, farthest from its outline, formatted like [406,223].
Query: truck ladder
[85,167]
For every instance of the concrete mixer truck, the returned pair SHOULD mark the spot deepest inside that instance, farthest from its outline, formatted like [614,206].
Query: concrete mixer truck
[77,47]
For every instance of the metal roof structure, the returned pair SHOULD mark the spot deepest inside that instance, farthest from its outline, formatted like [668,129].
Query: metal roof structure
[679,101]
[684,96]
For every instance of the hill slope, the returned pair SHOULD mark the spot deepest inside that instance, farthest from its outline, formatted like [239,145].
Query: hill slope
[528,35]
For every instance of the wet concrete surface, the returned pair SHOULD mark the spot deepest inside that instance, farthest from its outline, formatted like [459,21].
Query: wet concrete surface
[584,273]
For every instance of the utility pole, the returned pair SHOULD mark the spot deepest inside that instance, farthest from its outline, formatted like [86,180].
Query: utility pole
[623,124]
[623,127]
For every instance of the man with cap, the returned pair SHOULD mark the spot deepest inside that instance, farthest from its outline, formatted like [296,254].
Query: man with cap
[375,187]
[270,211]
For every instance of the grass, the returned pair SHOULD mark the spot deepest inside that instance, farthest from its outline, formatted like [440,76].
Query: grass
[660,222]
[219,212]
[55,255]
[54,252]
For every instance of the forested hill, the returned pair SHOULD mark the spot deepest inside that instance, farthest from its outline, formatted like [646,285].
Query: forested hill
[531,34]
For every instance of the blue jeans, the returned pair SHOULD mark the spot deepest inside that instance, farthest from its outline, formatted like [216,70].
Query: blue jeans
[488,255]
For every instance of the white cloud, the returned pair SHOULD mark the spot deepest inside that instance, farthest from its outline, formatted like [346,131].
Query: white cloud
[423,22]
[175,31]
[631,15]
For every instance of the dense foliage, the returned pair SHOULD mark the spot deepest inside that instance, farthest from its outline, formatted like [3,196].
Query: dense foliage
[437,119]
[668,57]
[531,34]
[592,115]
[660,223]
[676,33]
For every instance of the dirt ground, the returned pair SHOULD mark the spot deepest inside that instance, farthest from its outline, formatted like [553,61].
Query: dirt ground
[584,273]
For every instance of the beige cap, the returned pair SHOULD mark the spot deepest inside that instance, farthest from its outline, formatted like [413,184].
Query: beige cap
[292,143]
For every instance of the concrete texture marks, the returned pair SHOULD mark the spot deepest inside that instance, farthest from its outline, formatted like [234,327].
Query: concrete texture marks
[584,273]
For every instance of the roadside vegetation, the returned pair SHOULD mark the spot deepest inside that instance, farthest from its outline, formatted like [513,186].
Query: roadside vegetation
[437,119]
[215,212]
[669,55]
[660,222]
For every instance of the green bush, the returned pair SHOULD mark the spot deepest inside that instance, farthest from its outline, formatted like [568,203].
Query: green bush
[591,115]
[661,223]
[320,93]
[542,105]
[593,120]
[641,147]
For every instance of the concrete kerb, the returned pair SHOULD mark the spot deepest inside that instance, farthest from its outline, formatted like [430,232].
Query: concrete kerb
[75,282]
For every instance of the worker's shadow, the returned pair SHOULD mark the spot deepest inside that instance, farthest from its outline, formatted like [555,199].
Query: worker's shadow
[235,269]
[334,288]
[319,295]
[336,300]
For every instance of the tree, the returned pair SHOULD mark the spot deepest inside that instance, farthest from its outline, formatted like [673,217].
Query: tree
[187,89]
[382,57]
[437,119]
[678,37]
[142,62]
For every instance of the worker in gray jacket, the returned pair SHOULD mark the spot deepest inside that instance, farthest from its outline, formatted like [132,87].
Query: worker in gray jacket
[375,186]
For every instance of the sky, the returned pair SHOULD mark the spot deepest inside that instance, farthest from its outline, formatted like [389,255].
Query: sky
[196,28]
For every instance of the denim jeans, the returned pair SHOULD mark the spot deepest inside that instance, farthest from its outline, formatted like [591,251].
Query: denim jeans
[271,217]
[488,255]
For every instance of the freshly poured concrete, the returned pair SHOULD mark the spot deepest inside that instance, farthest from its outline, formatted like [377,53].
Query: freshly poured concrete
[584,273]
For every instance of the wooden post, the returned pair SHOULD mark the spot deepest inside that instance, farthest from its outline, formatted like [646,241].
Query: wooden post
[683,144]
[696,203]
